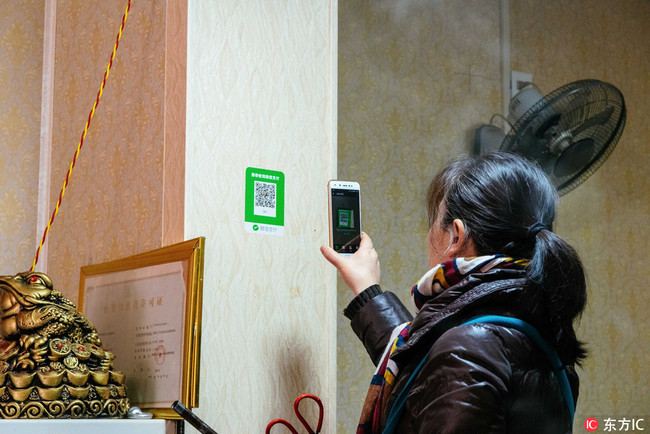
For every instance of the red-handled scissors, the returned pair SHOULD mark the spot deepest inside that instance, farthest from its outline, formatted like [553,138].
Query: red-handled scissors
[300,417]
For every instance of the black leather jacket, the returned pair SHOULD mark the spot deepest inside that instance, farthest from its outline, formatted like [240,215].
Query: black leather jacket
[479,378]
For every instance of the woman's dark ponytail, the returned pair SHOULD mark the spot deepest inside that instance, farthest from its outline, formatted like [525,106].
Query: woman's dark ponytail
[556,269]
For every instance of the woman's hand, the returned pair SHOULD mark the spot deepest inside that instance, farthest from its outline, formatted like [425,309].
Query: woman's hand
[360,270]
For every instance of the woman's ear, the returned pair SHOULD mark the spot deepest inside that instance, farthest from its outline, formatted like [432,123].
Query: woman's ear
[461,244]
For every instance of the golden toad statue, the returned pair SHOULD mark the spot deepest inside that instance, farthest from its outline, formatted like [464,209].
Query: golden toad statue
[52,363]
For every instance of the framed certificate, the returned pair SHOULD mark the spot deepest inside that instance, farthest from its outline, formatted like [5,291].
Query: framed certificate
[147,311]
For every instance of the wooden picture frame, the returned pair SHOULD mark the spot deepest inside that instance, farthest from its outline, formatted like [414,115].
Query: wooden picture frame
[147,311]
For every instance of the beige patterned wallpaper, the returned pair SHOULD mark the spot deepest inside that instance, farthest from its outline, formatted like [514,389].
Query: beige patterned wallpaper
[21,51]
[416,78]
[113,205]
[606,218]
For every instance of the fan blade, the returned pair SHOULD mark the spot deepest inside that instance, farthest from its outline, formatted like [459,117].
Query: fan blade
[600,119]
[574,158]
[534,148]
[547,128]
[530,144]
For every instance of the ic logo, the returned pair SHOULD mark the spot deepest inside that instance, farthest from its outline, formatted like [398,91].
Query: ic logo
[591,424]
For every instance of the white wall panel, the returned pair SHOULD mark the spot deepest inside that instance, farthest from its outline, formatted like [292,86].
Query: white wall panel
[261,92]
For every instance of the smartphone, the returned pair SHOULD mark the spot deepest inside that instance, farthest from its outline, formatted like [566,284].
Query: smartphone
[344,216]
[193,419]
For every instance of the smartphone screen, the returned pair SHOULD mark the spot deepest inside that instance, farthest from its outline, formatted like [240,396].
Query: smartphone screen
[345,216]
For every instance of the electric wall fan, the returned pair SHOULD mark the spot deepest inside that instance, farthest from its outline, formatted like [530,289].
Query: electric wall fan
[569,132]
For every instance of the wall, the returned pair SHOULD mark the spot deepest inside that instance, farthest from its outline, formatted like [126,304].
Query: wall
[113,205]
[414,78]
[606,217]
[21,48]
[262,93]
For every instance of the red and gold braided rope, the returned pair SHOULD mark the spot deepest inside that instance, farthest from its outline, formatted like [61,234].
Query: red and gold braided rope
[83,135]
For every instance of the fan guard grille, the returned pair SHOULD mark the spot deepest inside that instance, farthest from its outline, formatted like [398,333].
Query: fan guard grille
[571,131]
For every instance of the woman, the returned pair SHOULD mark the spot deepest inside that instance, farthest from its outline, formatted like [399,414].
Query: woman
[491,251]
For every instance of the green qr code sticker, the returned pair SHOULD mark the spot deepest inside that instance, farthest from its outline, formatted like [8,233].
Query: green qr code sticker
[264,207]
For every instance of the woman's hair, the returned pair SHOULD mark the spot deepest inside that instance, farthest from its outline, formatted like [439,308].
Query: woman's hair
[507,205]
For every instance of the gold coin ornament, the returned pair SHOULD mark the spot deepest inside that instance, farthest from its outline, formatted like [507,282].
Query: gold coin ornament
[59,348]
[52,362]
[80,351]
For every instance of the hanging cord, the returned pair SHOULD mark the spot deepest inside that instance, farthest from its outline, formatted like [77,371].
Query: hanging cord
[83,136]
[498,115]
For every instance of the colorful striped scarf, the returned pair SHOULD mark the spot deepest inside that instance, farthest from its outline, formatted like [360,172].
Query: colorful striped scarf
[434,282]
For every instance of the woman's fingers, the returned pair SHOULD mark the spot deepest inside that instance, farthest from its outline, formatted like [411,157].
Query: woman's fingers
[366,242]
[331,255]
[360,270]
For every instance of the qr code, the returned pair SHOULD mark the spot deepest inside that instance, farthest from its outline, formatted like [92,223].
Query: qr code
[346,218]
[264,194]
